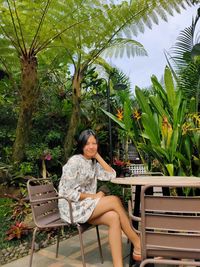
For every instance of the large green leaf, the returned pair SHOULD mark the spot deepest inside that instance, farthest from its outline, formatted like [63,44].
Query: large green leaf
[157,103]
[127,116]
[142,100]
[114,118]
[162,153]
[150,128]
[187,146]
[174,144]
[170,168]
[184,161]
[169,85]
[155,151]
[159,90]
[129,121]
[181,113]
[192,105]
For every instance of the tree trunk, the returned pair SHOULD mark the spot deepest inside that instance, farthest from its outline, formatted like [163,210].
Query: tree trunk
[29,95]
[75,116]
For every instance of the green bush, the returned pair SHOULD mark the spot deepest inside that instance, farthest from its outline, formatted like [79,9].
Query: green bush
[5,222]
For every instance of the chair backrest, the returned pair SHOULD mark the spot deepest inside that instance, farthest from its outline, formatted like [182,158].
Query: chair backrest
[170,226]
[44,203]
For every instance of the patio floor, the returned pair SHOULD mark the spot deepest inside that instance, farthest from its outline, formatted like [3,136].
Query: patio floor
[69,253]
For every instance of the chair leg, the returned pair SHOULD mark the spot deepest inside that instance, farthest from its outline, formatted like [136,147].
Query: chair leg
[99,244]
[81,244]
[32,246]
[57,243]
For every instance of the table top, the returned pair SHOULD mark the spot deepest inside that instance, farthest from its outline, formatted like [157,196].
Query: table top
[158,180]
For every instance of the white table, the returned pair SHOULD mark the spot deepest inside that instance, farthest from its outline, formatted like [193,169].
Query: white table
[158,180]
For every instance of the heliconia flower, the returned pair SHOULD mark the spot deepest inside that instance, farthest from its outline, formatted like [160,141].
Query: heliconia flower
[166,131]
[186,127]
[136,114]
[120,114]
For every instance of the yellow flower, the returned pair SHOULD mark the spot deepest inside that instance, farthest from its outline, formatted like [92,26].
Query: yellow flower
[186,127]
[136,114]
[166,131]
[120,114]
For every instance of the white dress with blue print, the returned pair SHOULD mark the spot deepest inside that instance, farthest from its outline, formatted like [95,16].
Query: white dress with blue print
[80,175]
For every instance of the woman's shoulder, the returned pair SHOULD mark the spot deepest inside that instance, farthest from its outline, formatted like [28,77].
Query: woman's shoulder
[75,159]
[76,156]
[73,162]
[78,160]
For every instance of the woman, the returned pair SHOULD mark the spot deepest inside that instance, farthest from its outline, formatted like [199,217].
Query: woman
[79,184]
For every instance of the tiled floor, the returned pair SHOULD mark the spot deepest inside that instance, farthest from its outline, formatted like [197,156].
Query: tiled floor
[69,253]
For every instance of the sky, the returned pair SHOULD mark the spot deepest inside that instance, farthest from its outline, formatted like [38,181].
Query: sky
[155,41]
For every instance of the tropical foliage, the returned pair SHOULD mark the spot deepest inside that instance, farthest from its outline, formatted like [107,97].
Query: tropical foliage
[36,35]
[184,59]
[166,131]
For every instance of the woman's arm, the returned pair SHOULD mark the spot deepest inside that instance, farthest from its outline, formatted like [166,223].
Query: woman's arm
[69,185]
[102,162]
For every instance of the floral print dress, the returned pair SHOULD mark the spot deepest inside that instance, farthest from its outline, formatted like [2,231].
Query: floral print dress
[80,175]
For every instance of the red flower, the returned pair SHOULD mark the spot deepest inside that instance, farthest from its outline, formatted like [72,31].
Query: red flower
[118,162]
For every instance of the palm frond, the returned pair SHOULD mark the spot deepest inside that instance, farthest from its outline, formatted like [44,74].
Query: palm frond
[181,51]
[183,59]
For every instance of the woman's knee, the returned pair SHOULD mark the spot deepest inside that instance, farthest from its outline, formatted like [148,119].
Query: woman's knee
[113,218]
[115,199]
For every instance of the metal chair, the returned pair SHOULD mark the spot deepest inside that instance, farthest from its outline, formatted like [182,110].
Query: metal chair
[170,229]
[134,201]
[43,198]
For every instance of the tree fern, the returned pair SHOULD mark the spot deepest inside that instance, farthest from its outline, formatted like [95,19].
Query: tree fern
[119,46]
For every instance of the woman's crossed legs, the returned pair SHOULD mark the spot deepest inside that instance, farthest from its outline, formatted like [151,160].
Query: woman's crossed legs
[110,211]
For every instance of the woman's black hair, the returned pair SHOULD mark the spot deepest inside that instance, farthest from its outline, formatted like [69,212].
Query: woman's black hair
[83,138]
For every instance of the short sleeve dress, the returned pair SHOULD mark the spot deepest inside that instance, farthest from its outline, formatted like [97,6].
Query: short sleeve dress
[80,175]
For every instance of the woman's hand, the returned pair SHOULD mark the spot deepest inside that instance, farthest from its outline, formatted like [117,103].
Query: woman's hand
[99,194]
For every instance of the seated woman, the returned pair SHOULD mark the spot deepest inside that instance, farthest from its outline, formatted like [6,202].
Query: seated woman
[79,184]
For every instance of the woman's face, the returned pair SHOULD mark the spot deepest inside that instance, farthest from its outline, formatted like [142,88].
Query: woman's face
[90,149]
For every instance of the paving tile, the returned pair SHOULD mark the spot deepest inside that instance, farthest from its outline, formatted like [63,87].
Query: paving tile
[69,253]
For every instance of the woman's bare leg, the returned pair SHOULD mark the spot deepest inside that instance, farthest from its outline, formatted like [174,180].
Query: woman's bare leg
[113,203]
[111,219]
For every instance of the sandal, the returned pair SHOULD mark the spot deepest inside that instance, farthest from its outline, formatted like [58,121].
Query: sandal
[137,256]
